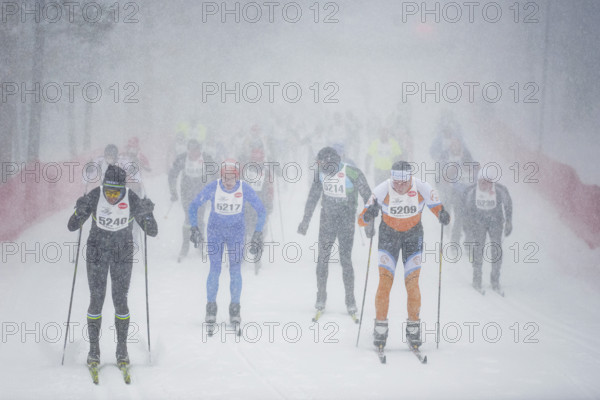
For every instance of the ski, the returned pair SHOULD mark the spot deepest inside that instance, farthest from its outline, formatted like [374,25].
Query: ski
[381,355]
[354,318]
[317,315]
[124,367]
[93,368]
[415,350]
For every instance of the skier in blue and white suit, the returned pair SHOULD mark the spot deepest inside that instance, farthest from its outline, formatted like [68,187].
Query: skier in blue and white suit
[226,227]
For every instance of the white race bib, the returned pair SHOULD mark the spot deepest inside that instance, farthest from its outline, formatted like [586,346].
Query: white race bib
[403,205]
[194,169]
[486,200]
[228,203]
[113,217]
[335,185]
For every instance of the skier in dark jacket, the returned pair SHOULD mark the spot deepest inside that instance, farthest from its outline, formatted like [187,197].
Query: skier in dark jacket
[337,185]
[488,211]
[194,176]
[110,246]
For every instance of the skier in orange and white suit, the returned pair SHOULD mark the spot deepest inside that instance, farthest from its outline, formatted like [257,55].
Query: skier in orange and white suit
[401,199]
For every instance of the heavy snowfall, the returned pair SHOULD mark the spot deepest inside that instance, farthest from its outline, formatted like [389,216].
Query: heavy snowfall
[513,83]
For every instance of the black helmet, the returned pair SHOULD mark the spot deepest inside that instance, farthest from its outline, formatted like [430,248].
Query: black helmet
[401,171]
[115,177]
[328,155]
[401,166]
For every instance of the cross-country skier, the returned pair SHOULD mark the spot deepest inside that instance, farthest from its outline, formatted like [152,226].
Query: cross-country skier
[337,184]
[488,211]
[110,246]
[192,165]
[401,200]
[226,227]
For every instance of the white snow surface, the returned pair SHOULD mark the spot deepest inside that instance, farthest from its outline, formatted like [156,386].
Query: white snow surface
[540,341]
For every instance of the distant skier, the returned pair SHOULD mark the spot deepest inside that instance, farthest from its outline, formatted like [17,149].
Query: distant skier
[401,199]
[226,227]
[337,184]
[110,246]
[192,165]
[488,212]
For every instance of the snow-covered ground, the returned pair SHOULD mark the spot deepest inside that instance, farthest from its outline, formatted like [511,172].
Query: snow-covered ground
[540,341]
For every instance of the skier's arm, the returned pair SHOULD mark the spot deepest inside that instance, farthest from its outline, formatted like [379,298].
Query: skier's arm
[313,198]
[83,209]
[174,172]
[373,204]
[363,186]
[206,194]
[142,212]
[257,204]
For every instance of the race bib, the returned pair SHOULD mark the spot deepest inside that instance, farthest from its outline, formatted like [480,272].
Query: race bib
[194,169]
[113,217]
[486,200]
[335,185]
[228,203]
[403,205]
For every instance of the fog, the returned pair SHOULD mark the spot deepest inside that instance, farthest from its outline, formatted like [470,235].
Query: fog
[517,82]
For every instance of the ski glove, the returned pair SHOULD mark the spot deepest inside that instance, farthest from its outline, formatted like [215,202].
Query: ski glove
[83,206]
[146,206]
[370,229]
[256,243]
[196,236]
[372,212]
[444,217]
[303,227]
[507,228]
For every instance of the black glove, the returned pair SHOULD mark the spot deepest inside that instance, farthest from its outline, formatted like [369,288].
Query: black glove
[303,227]
[146,206]
[256,243]
[83,206]
[444,217]
[196,236]
[507,228]
[174,197]
[370,229]
[372,212]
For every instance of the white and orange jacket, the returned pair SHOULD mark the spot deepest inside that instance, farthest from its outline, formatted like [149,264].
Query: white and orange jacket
[403,212]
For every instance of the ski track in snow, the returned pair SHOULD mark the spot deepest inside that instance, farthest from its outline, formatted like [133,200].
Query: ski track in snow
[560,305]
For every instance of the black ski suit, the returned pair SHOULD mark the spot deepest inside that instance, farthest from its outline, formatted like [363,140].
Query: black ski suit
[481,220]
[111,250]
[338,218]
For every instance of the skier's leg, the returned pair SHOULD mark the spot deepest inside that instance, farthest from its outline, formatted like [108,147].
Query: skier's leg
[346,241]
[97,273]
[326,243]
[235,245]
[495,232]
[215,250]
[120,274]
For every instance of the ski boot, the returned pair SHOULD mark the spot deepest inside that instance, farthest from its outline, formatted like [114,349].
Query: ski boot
[413,333]
[352,310]
[94,354]
[380,333]
[211,317]
[234,317]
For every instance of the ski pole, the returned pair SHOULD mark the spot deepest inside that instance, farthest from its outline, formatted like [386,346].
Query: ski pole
[437,337]
[169,210]
[280,214]
[362,307]
[71,301]
[146,274]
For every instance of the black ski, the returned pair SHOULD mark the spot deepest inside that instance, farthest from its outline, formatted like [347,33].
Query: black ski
[381,355]
[93,368]
[124,367]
